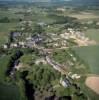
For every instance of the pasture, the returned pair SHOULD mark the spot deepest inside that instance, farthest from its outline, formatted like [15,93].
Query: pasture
[5,28]
[4,61]
[84,15]
[9,92]
[90,55]
[93,34]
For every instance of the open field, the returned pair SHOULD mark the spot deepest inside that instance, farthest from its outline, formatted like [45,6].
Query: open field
[11,13]
[93,83]
[93,34]
[5,28]
[85,14]
[3,67]
[90,55]
[9,92]
[89,92]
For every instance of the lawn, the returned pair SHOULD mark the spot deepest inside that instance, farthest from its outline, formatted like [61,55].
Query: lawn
[93,34]
[90,55]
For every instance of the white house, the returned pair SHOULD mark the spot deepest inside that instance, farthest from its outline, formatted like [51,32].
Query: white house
[5,46]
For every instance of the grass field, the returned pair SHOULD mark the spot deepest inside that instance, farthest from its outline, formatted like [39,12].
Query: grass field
[3,67]
[5,28]
[91,94]
[90,55]
[93,34]
[9,92]
[11,13]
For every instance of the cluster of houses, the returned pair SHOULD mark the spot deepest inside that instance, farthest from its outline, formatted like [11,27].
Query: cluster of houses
[78,37]
[54,40]
[74,76]
[28,42]
[66,82]
[62,9]
[61,40]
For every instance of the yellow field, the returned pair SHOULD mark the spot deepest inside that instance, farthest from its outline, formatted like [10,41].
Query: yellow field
[84,15]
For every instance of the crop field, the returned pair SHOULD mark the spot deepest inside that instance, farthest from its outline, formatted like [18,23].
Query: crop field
[11,13]
[90,55]
[84,15]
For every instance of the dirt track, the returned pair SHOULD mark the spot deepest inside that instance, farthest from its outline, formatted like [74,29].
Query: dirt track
[93,83]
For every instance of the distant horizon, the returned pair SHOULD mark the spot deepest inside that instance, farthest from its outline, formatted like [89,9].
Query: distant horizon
[75,2]
[48,0]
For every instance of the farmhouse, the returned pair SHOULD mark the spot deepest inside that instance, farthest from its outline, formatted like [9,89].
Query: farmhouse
[16,34]
[65,83]
[75,76]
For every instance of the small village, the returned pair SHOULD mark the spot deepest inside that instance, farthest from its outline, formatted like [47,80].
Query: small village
[46,44]
[51,40]
[47,51]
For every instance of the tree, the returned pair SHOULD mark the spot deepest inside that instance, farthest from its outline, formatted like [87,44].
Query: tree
[4,20]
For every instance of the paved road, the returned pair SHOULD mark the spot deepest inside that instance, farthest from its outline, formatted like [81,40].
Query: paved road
[56,65]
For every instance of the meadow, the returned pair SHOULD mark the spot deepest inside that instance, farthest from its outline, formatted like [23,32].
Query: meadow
[93,34]
[4,61]
[9,92]
[90,55]
[5,28]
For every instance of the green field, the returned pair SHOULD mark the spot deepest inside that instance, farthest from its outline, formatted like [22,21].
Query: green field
[91,94]
[90,55]
[93,34]
[5,28]
[9,92]
[4,61]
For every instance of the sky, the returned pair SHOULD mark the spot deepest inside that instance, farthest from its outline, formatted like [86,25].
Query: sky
[50,0]
[34,0]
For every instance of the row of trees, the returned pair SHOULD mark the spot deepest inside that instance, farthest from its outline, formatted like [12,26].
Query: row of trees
[8,20]
[15,55]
